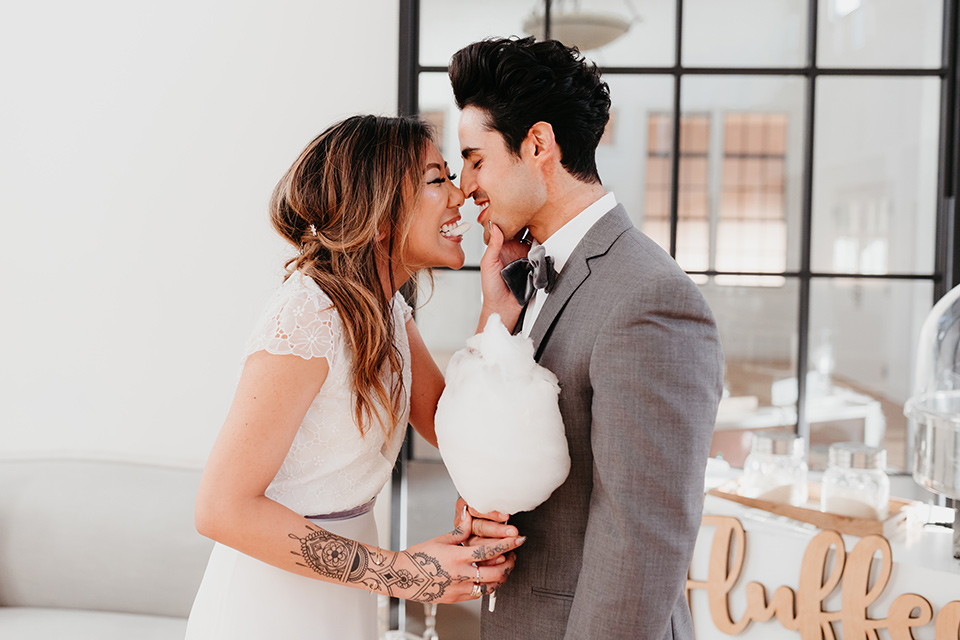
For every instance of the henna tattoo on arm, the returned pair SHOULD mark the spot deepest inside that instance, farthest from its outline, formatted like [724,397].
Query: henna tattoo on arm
[334,557]
[415,576]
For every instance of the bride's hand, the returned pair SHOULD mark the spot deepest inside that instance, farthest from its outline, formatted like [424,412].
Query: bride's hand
[482,525]
[496,296]
[441,570]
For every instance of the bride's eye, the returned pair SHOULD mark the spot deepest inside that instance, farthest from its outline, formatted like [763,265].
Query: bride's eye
[439,180]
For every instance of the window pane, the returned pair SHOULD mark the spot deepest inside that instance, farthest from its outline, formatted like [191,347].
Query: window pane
[879,33]
[863,338]
[754,167]
[758,333]
[635,163]
[649,41]
[875,175]
[448,25]
[693,172]
[753,33]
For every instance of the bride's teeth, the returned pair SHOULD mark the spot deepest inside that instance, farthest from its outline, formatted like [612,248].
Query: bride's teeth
[460,229]
[455,229]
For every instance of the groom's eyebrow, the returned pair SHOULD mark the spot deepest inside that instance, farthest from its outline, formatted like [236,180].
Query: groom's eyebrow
[467,151]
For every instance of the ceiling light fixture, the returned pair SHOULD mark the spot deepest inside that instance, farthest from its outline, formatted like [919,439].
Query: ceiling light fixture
[583,29]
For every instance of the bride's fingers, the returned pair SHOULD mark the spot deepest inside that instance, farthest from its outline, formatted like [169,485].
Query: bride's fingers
[490,529]
[496,516]
[490,549]
[494,243]
[474,541]
[490,579]
[462,527]
[493,577]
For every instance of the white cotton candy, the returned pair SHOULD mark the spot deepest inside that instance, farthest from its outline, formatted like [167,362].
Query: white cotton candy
[498,425]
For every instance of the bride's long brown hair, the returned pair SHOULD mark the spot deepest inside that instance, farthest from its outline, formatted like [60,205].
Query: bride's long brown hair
[358,179]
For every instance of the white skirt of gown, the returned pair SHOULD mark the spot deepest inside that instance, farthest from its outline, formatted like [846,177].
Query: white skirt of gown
[241,598]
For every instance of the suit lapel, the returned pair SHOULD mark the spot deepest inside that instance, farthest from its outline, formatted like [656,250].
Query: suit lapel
[577,269]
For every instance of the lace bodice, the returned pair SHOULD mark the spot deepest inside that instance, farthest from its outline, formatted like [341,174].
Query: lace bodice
[330,467]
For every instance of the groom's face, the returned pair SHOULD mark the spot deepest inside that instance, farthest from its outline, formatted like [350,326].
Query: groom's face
[509,189]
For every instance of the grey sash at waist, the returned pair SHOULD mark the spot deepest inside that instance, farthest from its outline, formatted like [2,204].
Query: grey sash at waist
[349,513]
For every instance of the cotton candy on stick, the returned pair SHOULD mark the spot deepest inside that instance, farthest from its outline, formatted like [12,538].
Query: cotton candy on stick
[498,424]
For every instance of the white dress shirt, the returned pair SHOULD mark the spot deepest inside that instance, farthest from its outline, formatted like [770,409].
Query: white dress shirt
[560,245]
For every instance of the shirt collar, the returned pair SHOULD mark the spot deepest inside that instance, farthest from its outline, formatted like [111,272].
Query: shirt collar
[564,240]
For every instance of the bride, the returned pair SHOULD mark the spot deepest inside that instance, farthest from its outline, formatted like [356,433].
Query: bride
[333,372]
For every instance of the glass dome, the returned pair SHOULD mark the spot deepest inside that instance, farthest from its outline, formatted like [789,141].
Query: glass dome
[934,407]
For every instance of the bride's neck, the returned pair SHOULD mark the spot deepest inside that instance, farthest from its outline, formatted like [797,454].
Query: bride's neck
[400,276]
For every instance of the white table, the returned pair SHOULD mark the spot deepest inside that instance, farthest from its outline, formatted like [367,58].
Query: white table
[922,563]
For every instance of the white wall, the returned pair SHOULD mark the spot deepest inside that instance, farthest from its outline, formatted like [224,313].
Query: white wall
[139,144]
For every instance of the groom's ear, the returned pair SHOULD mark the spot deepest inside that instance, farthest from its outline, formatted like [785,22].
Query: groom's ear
[540,141]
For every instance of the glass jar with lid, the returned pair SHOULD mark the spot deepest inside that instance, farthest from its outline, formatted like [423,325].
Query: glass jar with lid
[933,443]
[776,469]
[855,483]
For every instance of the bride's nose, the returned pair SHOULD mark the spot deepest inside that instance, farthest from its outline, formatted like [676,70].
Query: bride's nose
[456,198]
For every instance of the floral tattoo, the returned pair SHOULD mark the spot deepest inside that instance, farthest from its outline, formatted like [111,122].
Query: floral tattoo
[416,576]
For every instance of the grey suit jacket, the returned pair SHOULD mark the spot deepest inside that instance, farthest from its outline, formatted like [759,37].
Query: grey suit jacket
[636,350]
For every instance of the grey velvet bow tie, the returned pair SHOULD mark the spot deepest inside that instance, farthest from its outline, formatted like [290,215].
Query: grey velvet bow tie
[526,275]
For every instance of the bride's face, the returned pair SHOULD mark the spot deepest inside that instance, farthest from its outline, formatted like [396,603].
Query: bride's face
[433,240]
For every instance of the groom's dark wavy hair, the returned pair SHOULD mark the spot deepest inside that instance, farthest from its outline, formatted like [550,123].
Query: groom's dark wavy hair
[520,82]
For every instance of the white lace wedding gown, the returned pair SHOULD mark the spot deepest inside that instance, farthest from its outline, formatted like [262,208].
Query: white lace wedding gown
[329,469]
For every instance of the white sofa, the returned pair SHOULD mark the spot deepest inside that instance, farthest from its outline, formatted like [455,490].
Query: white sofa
[97,548]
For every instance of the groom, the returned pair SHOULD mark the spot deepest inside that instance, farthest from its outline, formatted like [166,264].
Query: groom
[629,336]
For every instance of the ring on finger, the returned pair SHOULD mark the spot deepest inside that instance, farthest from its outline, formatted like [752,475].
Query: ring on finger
[477,580]
[475,591]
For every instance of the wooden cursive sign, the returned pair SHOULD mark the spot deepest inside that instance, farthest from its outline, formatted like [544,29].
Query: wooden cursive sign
[802,610]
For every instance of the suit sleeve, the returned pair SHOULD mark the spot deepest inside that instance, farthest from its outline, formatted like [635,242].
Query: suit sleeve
[656,373]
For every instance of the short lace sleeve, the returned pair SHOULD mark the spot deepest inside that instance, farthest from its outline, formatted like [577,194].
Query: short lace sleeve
[300,320]
[404,307]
